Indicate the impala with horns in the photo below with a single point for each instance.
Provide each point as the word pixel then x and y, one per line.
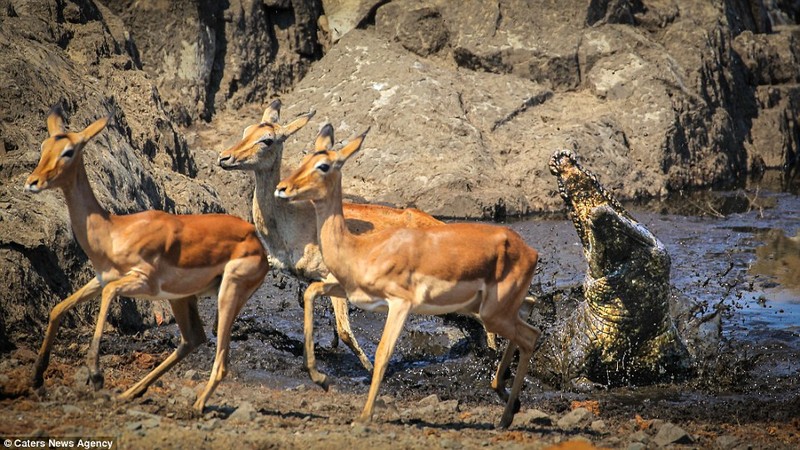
pixel 476 269
pixel 289 229
pixel 150 255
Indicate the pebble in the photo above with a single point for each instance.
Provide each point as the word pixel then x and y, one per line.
pixel 576 418
pixel 431 400
pixel 81 378
pixel 244 413
pixel 637 446
pixel 639 436
pixel 71 409
pixel 534 416
pixel 598 426
pixel 727 441
pixel 209 425
pixel 671 434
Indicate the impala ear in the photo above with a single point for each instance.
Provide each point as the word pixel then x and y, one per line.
pixel 324 138
pixel 94 128
pixel 352 147
pixel 293 126
pixel 273 112
pixel 55 121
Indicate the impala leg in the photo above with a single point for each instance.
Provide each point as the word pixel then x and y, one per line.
pixel 499 381
pixel 313 291
pixel 87 292
pixel 342 314
pixel 131 285
pixel 398 313
pixel 233 294
pixel 527 336
pixel 192 336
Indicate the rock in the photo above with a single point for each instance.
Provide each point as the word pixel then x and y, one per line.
pixel 671 434
pixel 71 410
pixel 599 426
pixel 344 15
pixel 533 416
pixel 431 400
pixel 191 374
pixel 639 436
pixel 726 441
pixel 209 425
pixel 637 446
pixel 576 418
pixel 246 412
pixel 80 379
pixel 188 393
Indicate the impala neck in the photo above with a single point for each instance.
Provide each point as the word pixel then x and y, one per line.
pixel 85 212
pixel 286 228
pixel 335 239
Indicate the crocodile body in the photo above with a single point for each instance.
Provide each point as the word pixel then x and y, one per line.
pixel 620 330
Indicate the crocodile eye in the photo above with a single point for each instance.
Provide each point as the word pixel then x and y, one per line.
pixel 323 167
pixel 68 153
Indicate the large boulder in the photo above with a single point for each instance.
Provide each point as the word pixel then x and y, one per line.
pixel 467 103
pixel 206 55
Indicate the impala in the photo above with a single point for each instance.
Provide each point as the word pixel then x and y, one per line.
pixel 289 229
pixel 151 255
pixel 475 269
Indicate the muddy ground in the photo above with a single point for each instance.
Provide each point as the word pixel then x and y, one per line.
pixel 436 393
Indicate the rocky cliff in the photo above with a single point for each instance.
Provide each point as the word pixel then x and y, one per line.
pixel 466 105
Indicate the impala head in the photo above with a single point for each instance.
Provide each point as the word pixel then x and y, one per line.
pixel 61 152
pixel 320 172
pixel 261 141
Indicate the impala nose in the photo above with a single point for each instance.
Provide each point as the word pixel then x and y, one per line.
pixel 280 192
pixel 32 185
pixel 224 161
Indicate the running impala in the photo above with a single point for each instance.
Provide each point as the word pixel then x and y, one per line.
pixel 476 269
pixel 289 229
pixel 150 255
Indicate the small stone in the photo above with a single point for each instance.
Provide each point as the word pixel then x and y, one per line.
pixel 244 413
pixel 80 379
pixel 4 379
pixel 71 409
pixel 637 446
pixel 448 406
pixel 191 374
pixel 431 400
pixel 133 426
pixel 639 436
pixel 209 425
pixel 449 443
pixel 534 416
pixel 576 418
pixel 671 434
pixel 598 426
pixel 727 441
pixel 188 393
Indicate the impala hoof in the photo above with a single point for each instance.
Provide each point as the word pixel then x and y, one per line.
pixel 97 381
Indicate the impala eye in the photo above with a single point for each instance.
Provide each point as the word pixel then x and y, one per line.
pixel 268 142
pixel 68 153
pixel 323 167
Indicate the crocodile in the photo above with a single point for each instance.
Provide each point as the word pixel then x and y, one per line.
pixel 621 330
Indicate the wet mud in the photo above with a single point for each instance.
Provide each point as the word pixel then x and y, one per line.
pixel 735 251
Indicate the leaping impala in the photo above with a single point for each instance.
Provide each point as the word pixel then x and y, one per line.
pixel 151 255
pixel 289 229
pixel 468 268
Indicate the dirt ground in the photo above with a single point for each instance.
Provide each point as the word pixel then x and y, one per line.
pixel 429 401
